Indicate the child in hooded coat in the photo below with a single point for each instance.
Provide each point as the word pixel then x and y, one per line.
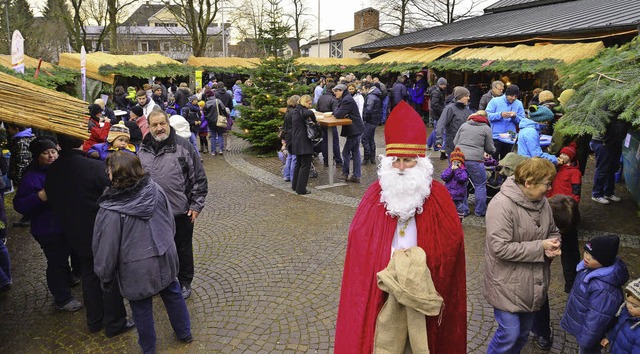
pixel 455 178
pixel 568 181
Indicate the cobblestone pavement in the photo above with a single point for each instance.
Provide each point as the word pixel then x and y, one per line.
pixel 268 270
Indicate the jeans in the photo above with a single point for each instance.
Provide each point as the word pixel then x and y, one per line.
pixel 217 139
pixel 350 151
pixel 142 313
pixel 461 207
pixel 289 166
pixel 478 176
pixel 194 141
pixel 336 146
pixel 512 333
pixel 368 141
pixel 184 246
pixel 607 164
pixel 301 173
pixel 57 251
pixel 5 265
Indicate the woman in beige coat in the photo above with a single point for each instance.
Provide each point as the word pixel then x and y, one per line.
pixel 521 240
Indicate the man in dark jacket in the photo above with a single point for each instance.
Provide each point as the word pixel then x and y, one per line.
pixel 73 185
pixel 496 91
pixel 607 148
pixel 186 187
pixel 436 100
pixel 417 93
pixel 328 103
pixel 372 117
pixel 182 95
pixel 347 108
pixel 223 95
pixel 453 116
pixel 385 98
pixel 399 91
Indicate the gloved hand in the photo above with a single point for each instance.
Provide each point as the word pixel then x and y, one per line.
pixel 107 287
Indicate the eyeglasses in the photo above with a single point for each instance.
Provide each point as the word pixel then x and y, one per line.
pixel 548 184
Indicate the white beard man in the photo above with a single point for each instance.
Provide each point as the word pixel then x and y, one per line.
pixel 404 209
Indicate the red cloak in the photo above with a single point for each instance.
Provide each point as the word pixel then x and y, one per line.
pixel 368 252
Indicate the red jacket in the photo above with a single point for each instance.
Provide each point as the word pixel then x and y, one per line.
pixel 368 252
pixel 568 181
pixel 97 134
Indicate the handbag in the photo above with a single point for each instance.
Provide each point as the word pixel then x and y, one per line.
pixel 314 131
pixel 222 120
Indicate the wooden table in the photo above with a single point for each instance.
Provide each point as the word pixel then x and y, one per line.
pixel 329 121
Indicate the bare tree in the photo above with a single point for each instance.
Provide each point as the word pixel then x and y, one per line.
pixel 114 16
pixel 196 16
pixel 248 17
pixel 441 12
pixel 396 14
pixel 301 23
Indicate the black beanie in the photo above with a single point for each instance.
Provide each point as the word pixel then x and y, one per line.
pixel 512 90
pixel 135 134
pixel 137 110
pixel 604 249
pixel 94 109
pixel 40 144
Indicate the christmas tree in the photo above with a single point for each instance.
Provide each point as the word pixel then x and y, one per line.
pixel 275 80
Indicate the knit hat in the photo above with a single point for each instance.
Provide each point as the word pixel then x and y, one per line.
pixel 193 98
pixel 570 150
pixel 565 96
pixel 341 87
pixel 137 110
pixel 545 96
pixel 40 144
pixel 457 155
pixel 155 87
pixel 540 114
pixel 117 130
pixel 634 288
pixel 604 249
pixel 512 90
pixel 94 109
pixel 135 134
pixel 201 104
pixel 405 134
pixel 441 81
pixel 459 92
pixel 180 125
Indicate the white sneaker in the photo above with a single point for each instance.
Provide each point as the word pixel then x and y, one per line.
pixel 601 200
pixel 614 198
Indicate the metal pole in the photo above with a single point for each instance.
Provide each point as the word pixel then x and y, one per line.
pixel 330 42
pixel 6 12
pixel 318 28
pixel 224 46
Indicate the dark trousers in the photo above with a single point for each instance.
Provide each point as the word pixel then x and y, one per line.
pixel 351 151
pixel 570 257
pixel 502 149
pixel 103 309
pixel 607 164
pixel 301 173
pixel 184 246
pixel 5 266
pixel 368 141
pixel 336 146
pixel 542 320
pixel 142 312
pixel 57 251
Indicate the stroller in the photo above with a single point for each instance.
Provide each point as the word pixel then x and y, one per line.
pixel 494 180
pixel 283 154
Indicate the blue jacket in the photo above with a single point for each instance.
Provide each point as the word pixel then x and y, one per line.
pixel 373 107
pixel 529 141
pixel 593 302
pixel 624 338
pixel 347 108
pixel 27 202
pixel 417 93
pixel 494 109
pixel 104 149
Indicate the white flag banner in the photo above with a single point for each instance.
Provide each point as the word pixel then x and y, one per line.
pixel 17 52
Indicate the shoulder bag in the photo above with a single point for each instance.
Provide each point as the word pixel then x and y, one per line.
pixel 314 131
pixel 222 120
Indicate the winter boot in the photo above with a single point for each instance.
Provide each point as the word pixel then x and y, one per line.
pixel 367 159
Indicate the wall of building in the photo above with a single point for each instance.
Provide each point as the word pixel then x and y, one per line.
pixel 367 18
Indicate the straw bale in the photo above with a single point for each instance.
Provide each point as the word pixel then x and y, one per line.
pixel 29 62
pixel 56 112
pixel 329 61
pixel 568 53
pixel 411 56
pixel 221 62
pixel 97 59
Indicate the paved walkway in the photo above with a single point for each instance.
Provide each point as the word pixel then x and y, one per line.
pixel 268 271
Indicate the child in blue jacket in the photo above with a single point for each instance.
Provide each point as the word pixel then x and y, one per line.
pixel 625 336
pixel 596 294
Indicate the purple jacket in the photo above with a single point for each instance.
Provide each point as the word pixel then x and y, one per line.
pixel 26 202
pixel 104 149
pixel 456 182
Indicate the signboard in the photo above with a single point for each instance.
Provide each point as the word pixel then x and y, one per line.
pixel 198 79
pixel 17 52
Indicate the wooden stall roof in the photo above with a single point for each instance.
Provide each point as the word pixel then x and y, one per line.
pixel 98 59
pixel 220 62
pixel 568 53
pixel 329 61
pixel 411 55
pixel 29 62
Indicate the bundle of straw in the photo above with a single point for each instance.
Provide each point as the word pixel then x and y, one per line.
pixel 52 111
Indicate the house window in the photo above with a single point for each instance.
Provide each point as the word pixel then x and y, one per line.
pixel 166 46
pixel 336 49
pixel 154 46
pixel 144 46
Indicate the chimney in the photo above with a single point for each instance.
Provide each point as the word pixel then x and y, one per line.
pixel 366 18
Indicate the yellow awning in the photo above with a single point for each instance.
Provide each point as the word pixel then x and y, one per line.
pixel 29 62
pixel 221 62
pixel 424 56
pixel 568 53
pixel 98 59
pixel 329 61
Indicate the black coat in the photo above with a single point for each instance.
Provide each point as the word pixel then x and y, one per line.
pixel 224 96
pixel 436 102
pixel 373 107
pixel 300 143
pixel 327 103
pixel 398 93
pixel 73 185
pixel 347 108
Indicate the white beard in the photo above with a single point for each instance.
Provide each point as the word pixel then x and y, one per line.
pixel 403 193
